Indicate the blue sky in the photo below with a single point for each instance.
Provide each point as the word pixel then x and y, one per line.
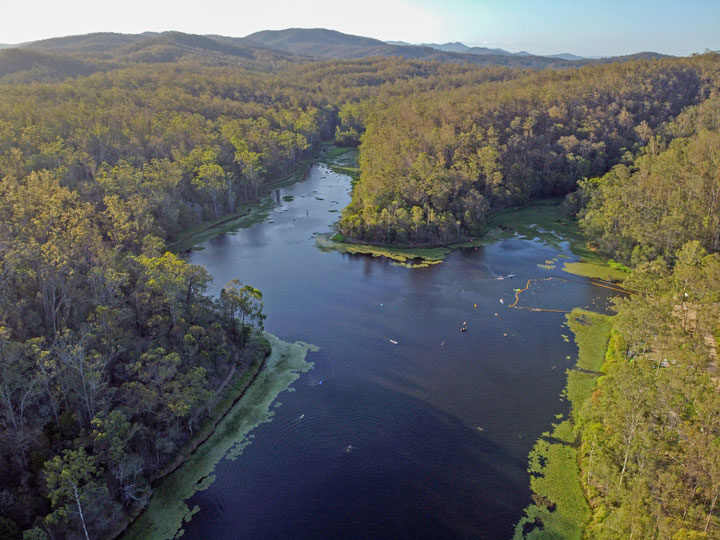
pixel 590 28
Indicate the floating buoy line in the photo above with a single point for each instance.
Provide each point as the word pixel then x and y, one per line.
pixel 598 283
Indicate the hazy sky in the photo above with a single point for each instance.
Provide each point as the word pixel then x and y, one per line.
pixel 585 27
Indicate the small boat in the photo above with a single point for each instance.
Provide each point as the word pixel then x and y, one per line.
pixel 463 329
pixel 393 342
pixel 502 301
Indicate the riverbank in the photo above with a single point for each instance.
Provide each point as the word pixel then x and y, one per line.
pixel 548 221
pixel 561 509
pixel 167 510
pixel 339 159
pixel 227 397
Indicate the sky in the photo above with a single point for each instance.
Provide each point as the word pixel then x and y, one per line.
pixel 583 27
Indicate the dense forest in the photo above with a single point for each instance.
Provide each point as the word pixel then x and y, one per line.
pixel 434 164
pixel 112 354
pixel 648 436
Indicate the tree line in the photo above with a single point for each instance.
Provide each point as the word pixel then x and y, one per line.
pixel 650 436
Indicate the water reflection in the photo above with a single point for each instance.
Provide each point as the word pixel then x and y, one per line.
pixel 440 421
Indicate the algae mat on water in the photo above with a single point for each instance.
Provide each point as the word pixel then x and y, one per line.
pixel 167 510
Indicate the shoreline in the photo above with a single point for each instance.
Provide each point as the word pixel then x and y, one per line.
pixel 561 508
pixel 544 219
pixel 253 212
pixel 240 384
pixel 233 392
pixel 246 408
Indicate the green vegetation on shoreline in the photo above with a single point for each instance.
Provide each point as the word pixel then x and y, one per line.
pixel 411 257
pixel 549 221
pixel 167 510
pixel 561 510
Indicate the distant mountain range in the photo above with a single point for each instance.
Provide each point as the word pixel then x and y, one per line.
pixel 333 44
pixel 73 56
pixel 458 47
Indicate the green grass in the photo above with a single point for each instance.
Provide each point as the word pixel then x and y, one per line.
pixel 594 270
pixel 167 510
pixel 334 151
pixel 592 332
pixel 564 431
pixel 561 506
pixel 580 386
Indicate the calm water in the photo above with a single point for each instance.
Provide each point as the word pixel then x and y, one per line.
pixel 426 439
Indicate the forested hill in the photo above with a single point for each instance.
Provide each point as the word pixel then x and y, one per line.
pixel 79 55
pixel 58 58
pixel 332 44
pixel 435 163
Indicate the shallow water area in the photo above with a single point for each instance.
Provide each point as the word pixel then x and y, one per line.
pixel 407 427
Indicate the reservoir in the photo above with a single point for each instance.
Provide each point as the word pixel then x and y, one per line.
pixel 406 427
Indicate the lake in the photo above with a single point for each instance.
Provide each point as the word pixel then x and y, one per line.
pixel 406 427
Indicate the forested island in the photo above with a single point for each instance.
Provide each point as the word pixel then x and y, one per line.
pixel 115 361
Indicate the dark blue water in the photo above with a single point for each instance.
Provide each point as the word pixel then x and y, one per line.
pixel 424 439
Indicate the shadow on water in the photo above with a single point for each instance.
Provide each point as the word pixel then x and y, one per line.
pixel 400 469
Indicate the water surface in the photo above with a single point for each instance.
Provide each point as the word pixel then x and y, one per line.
pixel 424 439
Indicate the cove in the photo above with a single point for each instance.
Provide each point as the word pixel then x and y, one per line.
pixel 406 427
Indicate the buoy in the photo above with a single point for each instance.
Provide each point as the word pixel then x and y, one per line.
pixel 463 329
pixel 474 305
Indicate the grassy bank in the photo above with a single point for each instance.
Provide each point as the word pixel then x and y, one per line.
pixel 167 510
pixel 561 510
pixel 343 160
